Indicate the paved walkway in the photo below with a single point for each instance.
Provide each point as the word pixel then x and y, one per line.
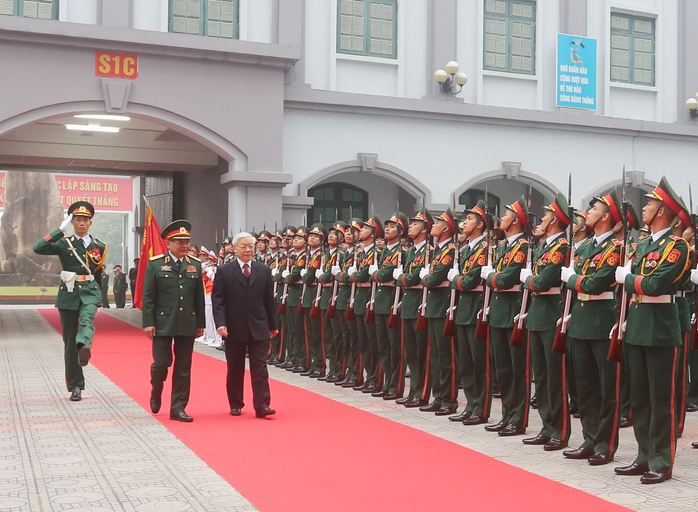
pixel 108 453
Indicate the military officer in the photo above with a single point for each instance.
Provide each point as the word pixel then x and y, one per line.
pixel 543 281
pixel 332 327
pixel 82 258
pixel 473 354
pixel 513 370
pixel 653 335
pixel 390 347
pixel 297 348
pixel 173 311
pixel 416 341
pixel 313 321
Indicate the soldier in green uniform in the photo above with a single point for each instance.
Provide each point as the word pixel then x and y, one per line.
pixel 276 261
pixel 592 277
pixel 444 374
pixel 348 261
pixel 298 346
pixel 390 347
pixel 262 254
pixel 543 281
pixel 282 297
pixel 173 311
pixel 653 335
pixel 119 286
pixel 332 327
pixel 360 275
pixel 473 354
pixel 316 347
pixel 82 258
pixel 416 342
pixel 513 369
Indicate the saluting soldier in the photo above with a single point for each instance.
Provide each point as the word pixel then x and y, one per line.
pixel 332 327
pixel 173 313
pixel 435 278
pixel 653 335
pixel 82 257
pixel 543 281
pixel 473 354
pixel 513 369
pixel 390 347
pixel 316 345
pixel 298 346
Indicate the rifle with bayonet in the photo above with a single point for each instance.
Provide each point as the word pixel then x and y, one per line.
pixel 422 319
pixel 481 328
pixel 393 320
pixel 517 335
pixel 370 317
pixel 284 295
pixel 301 309
pixel 349 315
pixel 315 309
pixel 615 349
pixel 560 341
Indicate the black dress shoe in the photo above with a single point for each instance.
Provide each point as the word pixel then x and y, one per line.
pixel 655 477
pixel 460 417
pixel 573 409
pixel 323 377
pixel 369 389
pixel 415 402
pixel 633 470
pixel 432 407
pixel 539 439
pixel 316 374
pixel 579 453
pixel 332 379
pixel 181 416
pixel 599 459
pixel 379 394
pixel 694 444
pixel 348 384
pixel 554 444
pixel 474 419
pixel 286 364
pixel 264 412
pixel 391 396
pixel 300 369
pixel 306 373
pixel 512 430
pixel 359 386
pixel 273 362
pixel 496 427
pixel 84 355
pixel 625 422
pixel 155 405
pixel 692 408
pixel 76 395
pixel 445 411
pixel 235 411
pixel 402 401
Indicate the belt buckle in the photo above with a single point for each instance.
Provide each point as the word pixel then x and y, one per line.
pixel 638 299
pixel 584 297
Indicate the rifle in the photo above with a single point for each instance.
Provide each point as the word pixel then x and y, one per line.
pixel 481 328
pixel 694 221
pixel 276 266
pixel 301 309
pixel 284 295
pixel 615 349
pixel 393 320
pixel 450 324
pixel 370 307
pixel 332 305
pixel 517 337
pixel 422 319
pixel 315 310
pixel 349 316
pixel 560 341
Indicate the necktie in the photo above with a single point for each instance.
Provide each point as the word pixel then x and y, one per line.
pixel 246 270
pixel 178 265
pixel 84 243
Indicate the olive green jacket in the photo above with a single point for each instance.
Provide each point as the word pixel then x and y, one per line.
pixel 544 310
pixel 437 280
pixel 504 306
pixel 410 282
pixel 470 301
pixel 385 294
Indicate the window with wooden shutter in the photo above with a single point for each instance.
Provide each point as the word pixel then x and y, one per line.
pixel 632 49
pixel 41 9
pixel 510 36
pixel 213 18
pixel 367 27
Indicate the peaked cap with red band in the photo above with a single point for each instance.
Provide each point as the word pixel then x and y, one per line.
pixel 290 231
pixel 664 193
pixel 449 219
pixel 264 236
pixel 375 223
pixel 400 219
pixel 319 229
pixel 177 230
pixel 560 208
pixel 613 203
pixel 424 215
pixel 479 209
pixel 520 208
pixel 340 226
pixel 632 218
pixel 302 231
pixel 81 208
pixel 356 223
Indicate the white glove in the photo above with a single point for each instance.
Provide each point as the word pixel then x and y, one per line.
pixel 397 273
pixel 566 320
pixel 285 274
pixel 485 271
pixel 566 273
pixel 523 318
pixel 210 273
pixel 351 271
pixel 694 276
pixel 274 271
pixel 303 272
pixel 372 269
pixel 423 273
pixel 693 318
pixel 525 274
pixel 335 270
pixel 452 274
pixel 622 273
pixel 615 326
pixel 66 222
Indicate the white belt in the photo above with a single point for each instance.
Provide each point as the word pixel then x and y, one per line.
pixel 363 285
pixel 508 290
pixel 647 299
pixel 476 289
pixel 584 297
pixel 552 291
pixel 680 294
pixel 387 284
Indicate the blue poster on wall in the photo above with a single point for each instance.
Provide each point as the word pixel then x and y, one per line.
pixel 576 72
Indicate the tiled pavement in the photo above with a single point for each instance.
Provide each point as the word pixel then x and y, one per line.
pixel 110 454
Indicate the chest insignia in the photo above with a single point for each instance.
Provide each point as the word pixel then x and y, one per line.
pixel 191 268
pixel 166 268
pixel 519 257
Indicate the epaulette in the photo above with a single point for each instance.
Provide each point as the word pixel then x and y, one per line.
pixel 152 258
pixel 195 258
pixel 618 243
pixel 98 240
pixel 676 238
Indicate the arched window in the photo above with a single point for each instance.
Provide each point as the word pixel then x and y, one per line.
pixel 337 200
pixel 470 197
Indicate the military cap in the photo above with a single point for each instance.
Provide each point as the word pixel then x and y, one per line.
pixel 645 229
pixel 631 218
pixel 318 229
pixel 254 235
pixel 177 229
pixel 264 236
pixel 81 208
pixel 520 208
pixel 340 226
pixel 302 231
pixel 356 223
pixel 612 202
pixel 375 223
pixel 400 219
pixel 479 209
pixel 664 193
pixel 290 231
pixel 560 208
pixel 227 241
pixel 278 233
pixel 424 215
pixel 449 219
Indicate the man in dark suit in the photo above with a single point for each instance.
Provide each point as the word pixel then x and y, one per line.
pixel 245 314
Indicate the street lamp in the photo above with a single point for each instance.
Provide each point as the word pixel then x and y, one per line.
pixel 692 106
pixel 451 82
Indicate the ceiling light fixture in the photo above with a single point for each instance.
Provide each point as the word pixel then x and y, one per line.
pixel 103 117
pixel 92 128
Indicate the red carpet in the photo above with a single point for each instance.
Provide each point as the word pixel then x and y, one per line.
pixel 298 459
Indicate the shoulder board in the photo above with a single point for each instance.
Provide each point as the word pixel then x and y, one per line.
pixel 157 256
pixel 195 258
pixel 98 240
pixel 676 238
pixel 563 241
pixel 522 240
pixel 617 243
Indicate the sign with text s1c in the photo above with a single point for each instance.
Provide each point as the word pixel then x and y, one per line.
pixel 576 72
pixel 116 65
